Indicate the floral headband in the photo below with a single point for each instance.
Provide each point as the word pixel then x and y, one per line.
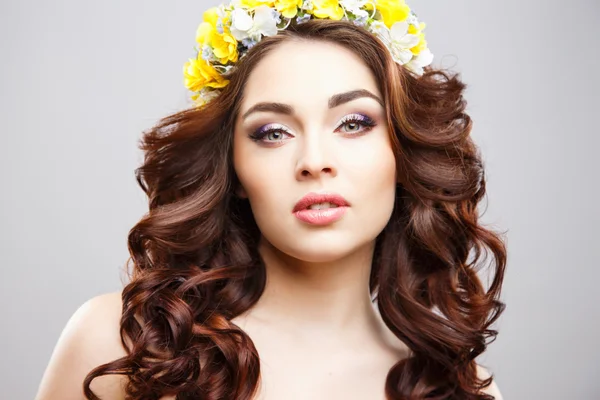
pixel 228 31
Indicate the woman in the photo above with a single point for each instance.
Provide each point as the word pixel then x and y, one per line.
pixel 310 225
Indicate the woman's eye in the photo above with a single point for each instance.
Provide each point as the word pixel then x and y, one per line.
pixel 268 135
pixel 274 135
pixel 352 126
pixel 354 122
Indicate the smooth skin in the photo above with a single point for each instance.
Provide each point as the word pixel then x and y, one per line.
pixel 316 331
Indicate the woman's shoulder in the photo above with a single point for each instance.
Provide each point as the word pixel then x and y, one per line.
pixel 90 338
pixel 492 389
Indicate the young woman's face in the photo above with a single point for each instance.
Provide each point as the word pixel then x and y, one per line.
pixel 316 141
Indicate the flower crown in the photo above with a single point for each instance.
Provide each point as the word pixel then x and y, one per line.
pixel 228 31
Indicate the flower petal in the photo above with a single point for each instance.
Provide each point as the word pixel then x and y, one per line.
pixel 401 56
pixel 264 21
pixel 414 68
pixel 408 41
pixel 424 58
pixel 211 15
pixel 241 20
pixel 399 29
pixel 204 33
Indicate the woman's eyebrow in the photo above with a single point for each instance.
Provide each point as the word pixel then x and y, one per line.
pixel 345 97
pixel 334 101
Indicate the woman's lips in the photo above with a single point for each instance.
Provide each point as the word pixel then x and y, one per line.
pixel 321 217
pixel 316 198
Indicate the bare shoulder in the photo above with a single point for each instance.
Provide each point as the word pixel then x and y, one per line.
pixel 492 389
pixel 90 338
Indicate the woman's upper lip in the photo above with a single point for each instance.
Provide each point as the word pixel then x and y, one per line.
pixel 315 198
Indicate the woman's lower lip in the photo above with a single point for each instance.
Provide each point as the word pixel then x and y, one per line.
pixel 321 217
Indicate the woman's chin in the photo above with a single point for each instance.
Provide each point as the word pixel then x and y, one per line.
pixel 320 250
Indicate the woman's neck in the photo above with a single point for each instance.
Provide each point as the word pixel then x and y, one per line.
pixel 320 297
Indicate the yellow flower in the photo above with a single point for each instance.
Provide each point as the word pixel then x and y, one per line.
pixel 204 33
pixel 199 73
pixel 327 9
pixel 225 47
pixel 208 27
pixel 288 8
pixel 391 11
pixel 422 45
pixel 252 4
pixel 415 30
pixel 211 16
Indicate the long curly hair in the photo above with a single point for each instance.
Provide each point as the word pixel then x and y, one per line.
pixel 195 265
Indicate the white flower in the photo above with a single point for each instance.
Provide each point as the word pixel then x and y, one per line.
pixel 244 26
pixel 412 20
pixel 360 21
pixel 379 28
pixel 307 5
pixel 397 39
pixel 249 42
pixel 241 22
pixel 361 14
pixel 207 53
pixel 402 41
pixel 276 16
pixel 219 25
pixel 221 11
pixel 302 19
pixel 353 5
pixel 424 58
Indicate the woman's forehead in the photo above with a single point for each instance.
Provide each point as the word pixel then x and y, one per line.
pixel 300 71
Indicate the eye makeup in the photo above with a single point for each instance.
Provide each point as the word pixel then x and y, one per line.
pixel 358 119
pixel 268 129
pixel 350 120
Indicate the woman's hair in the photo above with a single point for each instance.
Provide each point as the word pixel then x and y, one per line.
pixel 196 264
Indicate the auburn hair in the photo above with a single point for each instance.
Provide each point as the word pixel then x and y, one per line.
pixel 194 260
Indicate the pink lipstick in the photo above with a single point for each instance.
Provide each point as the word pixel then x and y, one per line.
pixel 332 212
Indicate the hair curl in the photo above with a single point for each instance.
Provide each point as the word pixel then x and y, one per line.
pixel 196 265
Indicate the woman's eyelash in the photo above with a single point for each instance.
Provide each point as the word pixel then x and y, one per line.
pixel 265 130
pixel 362 119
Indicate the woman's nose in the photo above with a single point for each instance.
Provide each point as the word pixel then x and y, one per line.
pixel 315 157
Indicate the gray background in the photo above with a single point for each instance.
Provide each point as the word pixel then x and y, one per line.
pixel 80 80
